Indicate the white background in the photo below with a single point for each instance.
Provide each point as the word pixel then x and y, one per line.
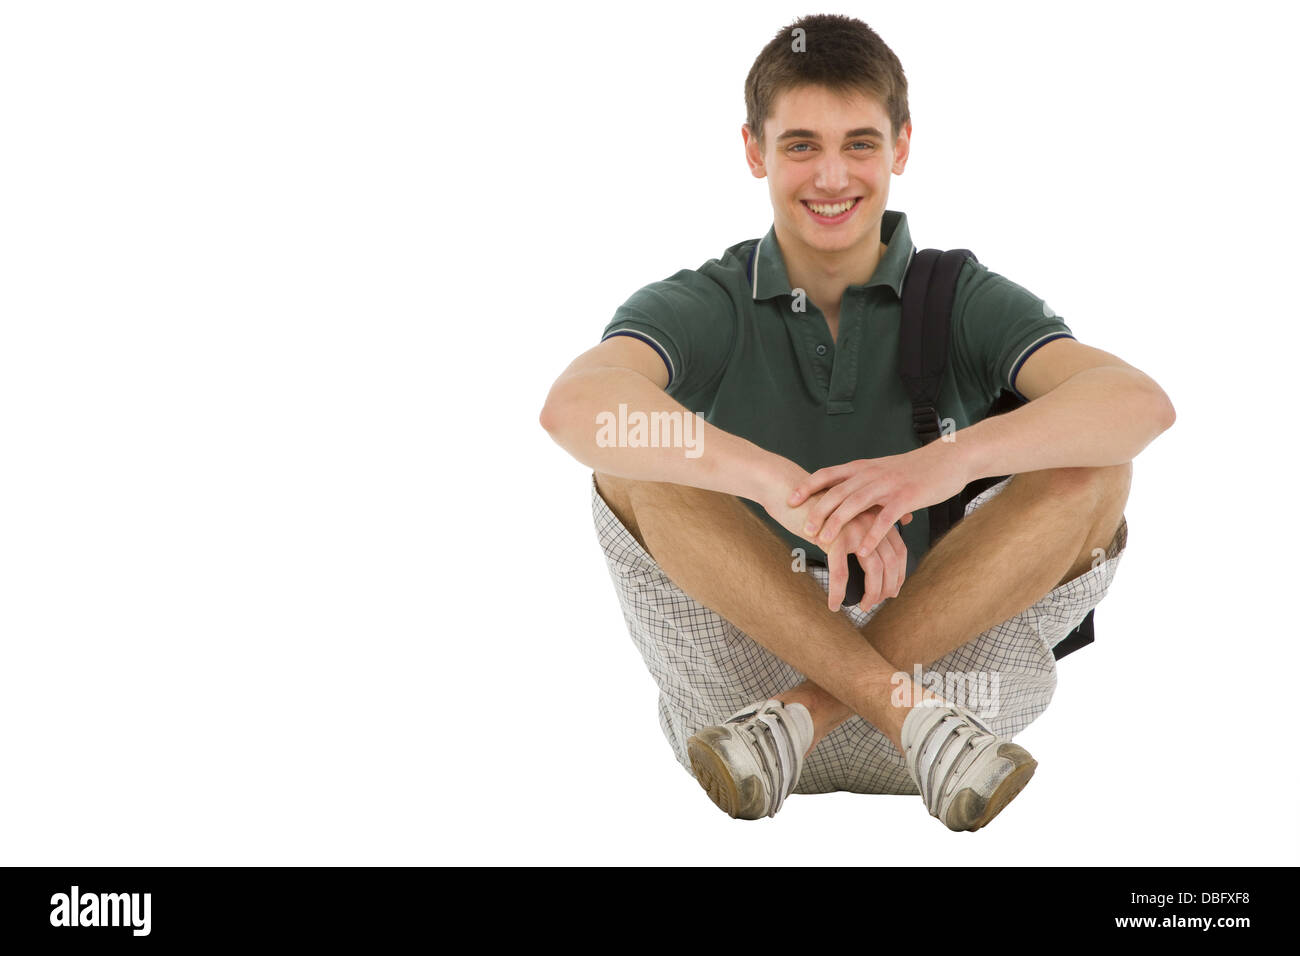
pixel 289 573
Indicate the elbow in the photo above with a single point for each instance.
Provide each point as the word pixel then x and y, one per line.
pixel 552 415
pixel 1173 415
pixel 547 417
pixel 1166 415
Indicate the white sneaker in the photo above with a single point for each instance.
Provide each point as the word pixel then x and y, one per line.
pixel 965 772
pixel 751 761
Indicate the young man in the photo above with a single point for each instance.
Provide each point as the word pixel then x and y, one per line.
pixel 788 348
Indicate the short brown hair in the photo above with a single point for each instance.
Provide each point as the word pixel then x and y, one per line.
pixel 839 53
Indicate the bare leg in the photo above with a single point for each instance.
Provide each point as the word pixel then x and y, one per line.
pixel 1038 533
pixel 686 529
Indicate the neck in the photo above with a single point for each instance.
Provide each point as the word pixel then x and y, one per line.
pixel 825 275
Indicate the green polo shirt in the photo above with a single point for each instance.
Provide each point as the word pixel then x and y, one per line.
pixel 738 351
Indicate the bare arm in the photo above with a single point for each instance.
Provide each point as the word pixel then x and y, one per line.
pixel 1087 408
pixel 626 371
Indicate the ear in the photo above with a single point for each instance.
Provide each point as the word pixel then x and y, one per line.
pixel 902 149
pixel 753 153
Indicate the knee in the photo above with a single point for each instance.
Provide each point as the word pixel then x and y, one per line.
pixel 1110 483
pixel 612 485
pixel 641 490
pixel 637 497
pixel 630 490
pixel 617 493
pixel 1094 485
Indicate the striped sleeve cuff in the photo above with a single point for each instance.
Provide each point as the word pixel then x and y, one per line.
pixel 653 343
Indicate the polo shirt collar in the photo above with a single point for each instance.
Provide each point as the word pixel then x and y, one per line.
pixel 770 279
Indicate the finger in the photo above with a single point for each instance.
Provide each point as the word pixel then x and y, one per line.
pixel 819 479
pixel 838 562
pixel 874 570
pixel 852 506
pixel 893 553
pixel 849 538
pixel 882 525
pixel 887 549
pixel 899 549
pixel 889 556
pixel 906 519
pixel 861 526
pixel 824 505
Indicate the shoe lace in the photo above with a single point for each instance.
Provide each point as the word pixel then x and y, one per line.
pixel 952 744
pixel 775 751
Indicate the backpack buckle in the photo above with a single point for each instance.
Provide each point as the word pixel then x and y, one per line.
pixel 925 422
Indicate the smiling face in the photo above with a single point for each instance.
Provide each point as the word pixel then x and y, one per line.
pixel 827 158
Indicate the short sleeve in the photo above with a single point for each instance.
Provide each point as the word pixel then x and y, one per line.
pixel 689 320
pixel 996 326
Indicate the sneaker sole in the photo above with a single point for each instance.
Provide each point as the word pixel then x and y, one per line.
pixel 968 805
pixel 740 801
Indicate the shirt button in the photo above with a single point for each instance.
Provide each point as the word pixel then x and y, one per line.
pixel 821 350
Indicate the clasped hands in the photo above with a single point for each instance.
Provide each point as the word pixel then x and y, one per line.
pixel 851 509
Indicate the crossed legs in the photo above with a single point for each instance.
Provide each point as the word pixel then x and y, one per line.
pixel 1040 531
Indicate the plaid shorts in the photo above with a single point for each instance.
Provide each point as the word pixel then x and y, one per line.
pixel 707 668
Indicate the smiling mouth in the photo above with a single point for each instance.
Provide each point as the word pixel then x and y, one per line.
pixel 832 210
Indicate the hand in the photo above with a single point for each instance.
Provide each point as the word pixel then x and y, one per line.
pixel 896 485
pixel 884 566
pixel 883 569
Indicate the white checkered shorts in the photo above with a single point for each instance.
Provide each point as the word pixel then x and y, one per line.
pixel 707 668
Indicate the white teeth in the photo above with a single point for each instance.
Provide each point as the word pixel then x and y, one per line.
pixel 832 210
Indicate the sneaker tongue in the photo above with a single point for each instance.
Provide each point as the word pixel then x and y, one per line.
pixel 801 725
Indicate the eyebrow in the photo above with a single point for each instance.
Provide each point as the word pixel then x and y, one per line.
pixel 869 131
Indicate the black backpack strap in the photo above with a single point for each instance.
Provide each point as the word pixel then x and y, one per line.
pixel 928 293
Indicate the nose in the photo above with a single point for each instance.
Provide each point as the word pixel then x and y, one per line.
pixel 832 173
